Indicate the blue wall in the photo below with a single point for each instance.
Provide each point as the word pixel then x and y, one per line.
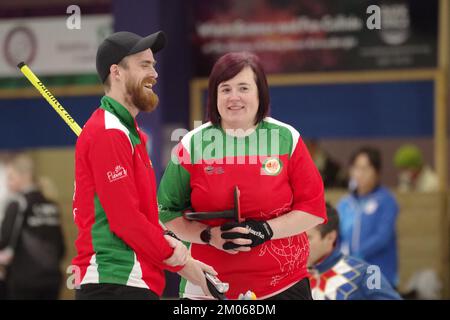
pixel 369 110
pixel 357 110
pixel 319 111
pixel 32 123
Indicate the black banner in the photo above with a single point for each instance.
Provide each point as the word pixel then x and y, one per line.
pixel 292 36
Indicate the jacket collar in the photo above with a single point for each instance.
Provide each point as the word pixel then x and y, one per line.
pixel 368 195
pixel 124 116
pixel 328 262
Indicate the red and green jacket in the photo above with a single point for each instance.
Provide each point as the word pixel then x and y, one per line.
pixel 119 238
pixel 275 175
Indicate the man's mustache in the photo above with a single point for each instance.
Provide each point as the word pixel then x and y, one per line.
pixel 149 80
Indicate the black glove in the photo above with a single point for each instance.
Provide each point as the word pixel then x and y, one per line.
pixel 259 232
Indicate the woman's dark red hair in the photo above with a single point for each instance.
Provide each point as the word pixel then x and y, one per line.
pixel 227 67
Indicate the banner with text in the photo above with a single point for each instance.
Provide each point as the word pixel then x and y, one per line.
pixel 292 36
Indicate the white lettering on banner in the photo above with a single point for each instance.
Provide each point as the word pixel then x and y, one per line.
pixel 396 24
pixel 303 24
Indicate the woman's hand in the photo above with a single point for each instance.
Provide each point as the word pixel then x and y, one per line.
pixel 250 233
pixel 220 243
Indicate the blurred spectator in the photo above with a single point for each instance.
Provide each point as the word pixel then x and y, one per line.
pixel 3 193
pixel 335 276
pixel 369 214
pixel 31 240
pixel 414 174
pixel 329 169
pixel 3 188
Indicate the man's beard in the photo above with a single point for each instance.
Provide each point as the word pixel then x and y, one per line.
pixel 144 99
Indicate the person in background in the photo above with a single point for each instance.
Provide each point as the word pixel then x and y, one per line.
pixel 3 195
pixel 3 188
pixel 368 215
pixel 414 174
pixel 31 239
pixel 335 276
pixel 330 170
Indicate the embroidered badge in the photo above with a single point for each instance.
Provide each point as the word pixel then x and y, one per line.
pixel 271 167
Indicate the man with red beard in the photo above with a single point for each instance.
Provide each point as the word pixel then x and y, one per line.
pixel 122 251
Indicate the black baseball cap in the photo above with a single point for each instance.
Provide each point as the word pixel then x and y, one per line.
pixel 121 44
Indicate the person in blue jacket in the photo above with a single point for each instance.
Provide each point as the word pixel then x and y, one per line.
pixel 335 276
pixel 368 215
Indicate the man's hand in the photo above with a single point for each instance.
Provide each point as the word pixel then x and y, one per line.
pixel 220 243
pixel 194 271
pixel 180 252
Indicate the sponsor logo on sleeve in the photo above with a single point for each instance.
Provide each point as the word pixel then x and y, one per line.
pixel 118 173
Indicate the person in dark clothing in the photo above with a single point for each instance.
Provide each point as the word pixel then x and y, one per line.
pixel 3 196
pixel 3 259
pixel 332 174
pixel 31 237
